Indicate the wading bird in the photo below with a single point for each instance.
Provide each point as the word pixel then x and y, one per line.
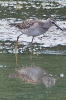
pixel 34 28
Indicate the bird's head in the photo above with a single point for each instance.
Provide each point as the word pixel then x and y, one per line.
pixel 52 22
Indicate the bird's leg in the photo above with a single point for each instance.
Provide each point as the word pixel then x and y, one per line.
pixel 31 46
pixel 16 50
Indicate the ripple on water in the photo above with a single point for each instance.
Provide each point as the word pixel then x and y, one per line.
pixel 2 66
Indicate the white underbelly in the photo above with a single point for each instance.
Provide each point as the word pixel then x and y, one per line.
pixel 33 31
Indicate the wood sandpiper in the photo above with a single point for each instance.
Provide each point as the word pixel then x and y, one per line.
pixel 34 28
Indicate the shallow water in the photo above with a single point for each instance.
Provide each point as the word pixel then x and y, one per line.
pixel 17 11
pixel 52 38
pixel 53 43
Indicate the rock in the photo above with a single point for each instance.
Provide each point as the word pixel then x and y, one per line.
pixel 48 81
pixel 33 75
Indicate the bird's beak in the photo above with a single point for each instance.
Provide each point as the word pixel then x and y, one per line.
pixel 57 26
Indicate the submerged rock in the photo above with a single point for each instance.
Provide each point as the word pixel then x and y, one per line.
pixel 33 75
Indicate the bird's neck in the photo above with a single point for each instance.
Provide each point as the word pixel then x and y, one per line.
pixel 46 25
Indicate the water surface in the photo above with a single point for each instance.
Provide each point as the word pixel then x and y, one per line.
pixel 48 52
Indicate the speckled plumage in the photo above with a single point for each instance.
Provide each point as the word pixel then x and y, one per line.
pixel 26 24
pixel 34 27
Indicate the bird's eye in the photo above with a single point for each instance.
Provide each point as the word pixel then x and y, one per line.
pixel 52 22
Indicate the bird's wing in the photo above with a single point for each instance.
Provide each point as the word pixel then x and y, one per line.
pixel 26 24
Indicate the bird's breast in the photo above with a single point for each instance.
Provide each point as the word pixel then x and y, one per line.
pixel 34 30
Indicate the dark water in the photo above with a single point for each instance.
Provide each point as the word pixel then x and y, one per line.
pixel 11 11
